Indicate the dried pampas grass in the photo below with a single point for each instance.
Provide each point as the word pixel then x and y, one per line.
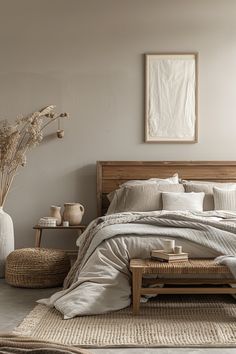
pixel 15 141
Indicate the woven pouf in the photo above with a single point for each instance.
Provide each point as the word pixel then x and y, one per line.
pixel 36 268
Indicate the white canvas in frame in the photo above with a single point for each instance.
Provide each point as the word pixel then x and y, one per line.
pixel 171 98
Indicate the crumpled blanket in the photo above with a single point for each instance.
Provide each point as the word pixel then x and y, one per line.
pixel 229 261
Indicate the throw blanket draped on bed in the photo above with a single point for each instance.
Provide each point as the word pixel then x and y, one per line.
pixel 99 281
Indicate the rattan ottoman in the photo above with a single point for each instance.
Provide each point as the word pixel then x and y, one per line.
pixel 194 285
pixel 36 267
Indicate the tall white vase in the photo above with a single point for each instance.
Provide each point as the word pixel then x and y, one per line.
pixel 6 239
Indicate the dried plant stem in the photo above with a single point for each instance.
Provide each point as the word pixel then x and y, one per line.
pixel 15 141
pixel 8 186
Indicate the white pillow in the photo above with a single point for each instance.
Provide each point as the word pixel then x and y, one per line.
pixel 224 199
pixel 183 201
pixel 170 180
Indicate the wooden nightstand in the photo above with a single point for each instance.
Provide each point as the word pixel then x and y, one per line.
pixel 39 231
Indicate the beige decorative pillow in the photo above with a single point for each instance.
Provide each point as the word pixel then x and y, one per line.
pixel 146 197
pixel 208 202
pixel 114 196
pixel 183 201
pixel 207 188
pixel 225 199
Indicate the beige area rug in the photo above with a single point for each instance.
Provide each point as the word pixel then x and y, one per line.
pixel 168 321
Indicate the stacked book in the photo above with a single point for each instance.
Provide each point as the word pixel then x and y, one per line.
pixel 162 256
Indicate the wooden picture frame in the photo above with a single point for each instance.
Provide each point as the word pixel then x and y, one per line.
pixel 171 99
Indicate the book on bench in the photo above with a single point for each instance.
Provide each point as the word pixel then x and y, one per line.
pixel 160 255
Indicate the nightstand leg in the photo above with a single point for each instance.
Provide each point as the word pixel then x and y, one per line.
pixel 136 288
pixel 38 236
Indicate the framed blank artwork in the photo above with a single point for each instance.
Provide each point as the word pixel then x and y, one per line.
pixel 171 98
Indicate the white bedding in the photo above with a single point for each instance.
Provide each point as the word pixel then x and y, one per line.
pixel 101 277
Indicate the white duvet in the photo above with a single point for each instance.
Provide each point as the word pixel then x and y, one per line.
pixel 100 280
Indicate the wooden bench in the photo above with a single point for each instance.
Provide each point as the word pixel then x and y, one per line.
pixel 140 267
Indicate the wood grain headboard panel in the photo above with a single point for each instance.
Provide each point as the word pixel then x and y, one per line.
pixel 110 174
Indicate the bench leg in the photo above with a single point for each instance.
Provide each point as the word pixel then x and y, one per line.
pixel 136 288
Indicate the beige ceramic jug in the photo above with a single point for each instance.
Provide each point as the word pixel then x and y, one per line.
pixel 55 212
pixel 73 213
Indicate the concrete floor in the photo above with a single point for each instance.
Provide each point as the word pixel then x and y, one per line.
pixel 16 303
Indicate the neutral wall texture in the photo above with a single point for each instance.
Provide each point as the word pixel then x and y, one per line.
pixel 86 56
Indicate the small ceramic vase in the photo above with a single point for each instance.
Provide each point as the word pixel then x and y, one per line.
pixel 73 213
pixel 55 212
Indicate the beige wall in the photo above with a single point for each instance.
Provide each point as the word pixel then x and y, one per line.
pixel 86 56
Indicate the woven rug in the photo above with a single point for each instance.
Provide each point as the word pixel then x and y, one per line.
pixel 167 321
pixel 10 344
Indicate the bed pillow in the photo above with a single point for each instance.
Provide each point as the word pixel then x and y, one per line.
pixel 170 180
pixel 207 188
pixel 134 182
pixel 183 201
pixel 114 198
pixel 117 193
pixel 146 197
pixel 211 184
pixel 208 202
pixel 224 199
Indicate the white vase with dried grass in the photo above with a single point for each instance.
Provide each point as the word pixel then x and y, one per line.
pixel 6 239
pixel 16 139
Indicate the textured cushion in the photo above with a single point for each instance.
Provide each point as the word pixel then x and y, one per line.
pixel 208 202
pixel 170 180
pixel 207 188
pixel 183 201
pixel 224 199
pixel 114 196
pixel 146 197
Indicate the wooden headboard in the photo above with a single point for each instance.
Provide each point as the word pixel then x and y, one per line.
pixel 110 174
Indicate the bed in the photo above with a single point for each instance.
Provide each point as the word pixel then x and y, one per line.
pixel 100 280
pixel 110 174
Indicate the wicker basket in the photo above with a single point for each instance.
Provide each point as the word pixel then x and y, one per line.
pixel 37 268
